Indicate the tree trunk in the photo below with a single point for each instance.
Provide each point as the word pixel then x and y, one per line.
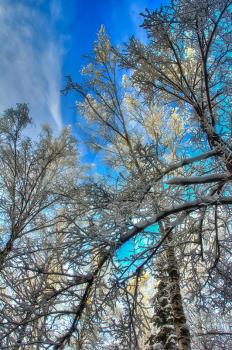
pixel 163 337
pixel 171 330
pixel 179 319
pixel 215 141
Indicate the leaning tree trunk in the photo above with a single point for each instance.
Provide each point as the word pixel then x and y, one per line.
pixel 179 319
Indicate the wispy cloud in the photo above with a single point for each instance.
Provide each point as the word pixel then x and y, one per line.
pixel 30 59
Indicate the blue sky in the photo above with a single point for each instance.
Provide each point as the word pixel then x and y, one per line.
pixel 42 41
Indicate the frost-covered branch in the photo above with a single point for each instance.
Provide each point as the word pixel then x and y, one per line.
pixel 192 180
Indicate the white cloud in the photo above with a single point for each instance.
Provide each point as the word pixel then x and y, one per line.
pixel 30 60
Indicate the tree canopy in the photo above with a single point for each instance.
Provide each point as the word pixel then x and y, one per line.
pixel 141 260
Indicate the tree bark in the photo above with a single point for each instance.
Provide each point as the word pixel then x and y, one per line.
pixel 179 319
pixel 163 337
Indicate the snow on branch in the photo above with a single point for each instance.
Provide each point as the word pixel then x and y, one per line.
pixel 196 204
pixel 183 181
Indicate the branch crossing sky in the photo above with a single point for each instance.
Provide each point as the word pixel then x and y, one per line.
pixel 42 41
